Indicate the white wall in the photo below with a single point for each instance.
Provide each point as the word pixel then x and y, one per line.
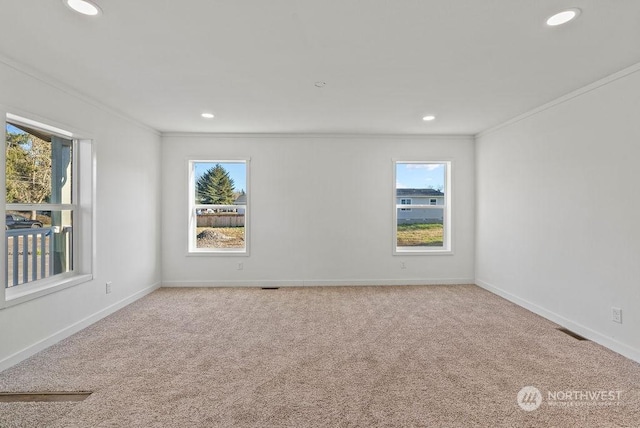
pixel 321 211
pixel 127 214
pixel 558 211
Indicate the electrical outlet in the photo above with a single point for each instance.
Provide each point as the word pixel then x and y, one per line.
pixel 108 287
pixel 616 315
pixel 402 265
pixel 240 266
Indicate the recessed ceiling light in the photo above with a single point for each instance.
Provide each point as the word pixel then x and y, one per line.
pixel 428 118
pixel 207 115
pixel 563 17
pixel 85 7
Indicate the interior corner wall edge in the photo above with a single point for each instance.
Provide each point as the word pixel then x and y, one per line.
pixel 557 206
pixel 127 214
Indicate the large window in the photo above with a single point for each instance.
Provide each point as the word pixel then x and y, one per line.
pixel 219 206
pixel 46 225
pixel 426 226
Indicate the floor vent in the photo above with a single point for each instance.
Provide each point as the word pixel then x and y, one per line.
pixel 572 334
pixel 17 397
pixel 270 288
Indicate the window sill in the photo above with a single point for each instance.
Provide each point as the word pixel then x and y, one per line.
pixel 206 253
pixel 408 251
pixel 24 293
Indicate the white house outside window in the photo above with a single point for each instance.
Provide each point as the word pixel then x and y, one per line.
pixel 425 228
pixel 219 206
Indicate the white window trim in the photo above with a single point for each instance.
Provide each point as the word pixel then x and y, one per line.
pixel 447 248
pixel 84 189
pixel 192 251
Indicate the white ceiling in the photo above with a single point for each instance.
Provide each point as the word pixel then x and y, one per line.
pixel 253 63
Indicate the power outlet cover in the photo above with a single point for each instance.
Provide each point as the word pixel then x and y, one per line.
pixel 616 315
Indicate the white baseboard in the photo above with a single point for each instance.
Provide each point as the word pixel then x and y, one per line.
pixel 387 282
pixel 27 352
pixel 219 284
pixel 318 283
pixel 606 341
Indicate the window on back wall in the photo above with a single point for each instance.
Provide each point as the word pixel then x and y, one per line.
pixel 426 226
pixel 219 206
pixel 47 218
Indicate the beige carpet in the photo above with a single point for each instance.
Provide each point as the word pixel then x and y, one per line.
pixel 450 356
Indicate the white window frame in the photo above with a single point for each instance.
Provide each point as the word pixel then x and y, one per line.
pixel 83 190
pixel 446 248
pixel 192 250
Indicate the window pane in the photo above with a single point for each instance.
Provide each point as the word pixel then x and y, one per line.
pixel 39 244
pixel 38 166
pixel 220 183
pixel 420 227
pixel 220 228
pixel 420 182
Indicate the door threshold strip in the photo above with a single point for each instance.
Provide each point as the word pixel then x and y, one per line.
pixel 572 334
pixel 47 396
